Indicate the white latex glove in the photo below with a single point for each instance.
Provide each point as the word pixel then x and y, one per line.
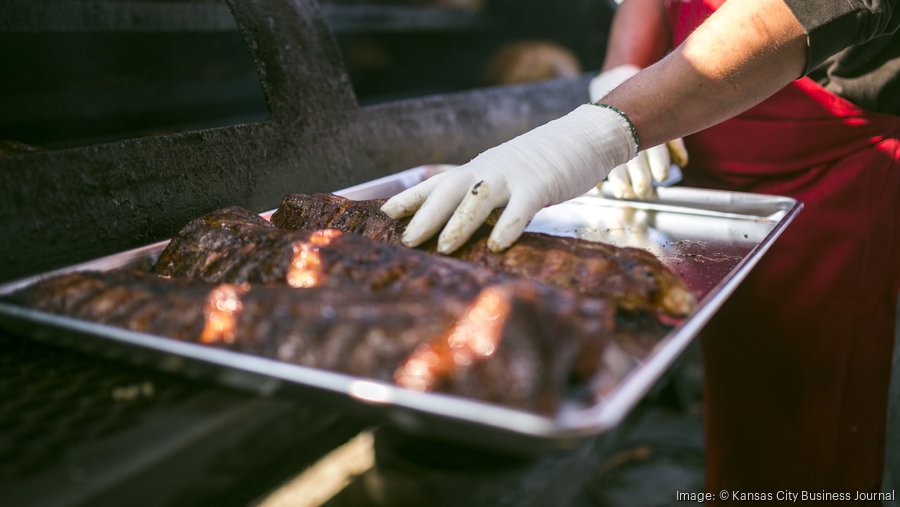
pixel 550 164
pixel 635 178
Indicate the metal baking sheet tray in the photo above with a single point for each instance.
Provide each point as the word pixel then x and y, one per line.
pixel 711 238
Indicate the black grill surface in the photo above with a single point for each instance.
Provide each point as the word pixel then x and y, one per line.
pixel 54 400
pixel 75 430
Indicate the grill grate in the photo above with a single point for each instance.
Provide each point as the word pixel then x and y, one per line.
pixel 54 400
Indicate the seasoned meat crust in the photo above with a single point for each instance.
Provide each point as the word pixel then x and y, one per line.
pixel 330 288
pixel 634 278
pixel 506 344
pixel 234 245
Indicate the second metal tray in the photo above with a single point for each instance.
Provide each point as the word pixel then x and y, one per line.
pixel 711 238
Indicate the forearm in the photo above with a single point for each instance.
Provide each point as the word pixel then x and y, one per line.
pixel 640 34
pixel 745 52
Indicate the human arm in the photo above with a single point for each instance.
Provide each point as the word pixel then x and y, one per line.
pixel 745 52
pixel 640 35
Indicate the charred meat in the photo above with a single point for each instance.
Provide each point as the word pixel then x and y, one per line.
pixel 633 277
pixel 234 245
pixel 507 344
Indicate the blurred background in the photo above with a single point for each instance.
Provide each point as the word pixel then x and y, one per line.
pixel 79 72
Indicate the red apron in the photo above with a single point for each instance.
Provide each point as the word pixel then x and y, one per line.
pixel 797 361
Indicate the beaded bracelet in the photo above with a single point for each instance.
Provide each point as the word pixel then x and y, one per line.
pixel 634 134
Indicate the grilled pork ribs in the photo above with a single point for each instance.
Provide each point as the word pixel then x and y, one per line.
pixel 326 284
pixel 634 278
pixel 506 344
pixel 234 245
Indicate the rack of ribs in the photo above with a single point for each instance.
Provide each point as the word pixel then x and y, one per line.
pixel 634 278
pixel 510 343
pixel 234 245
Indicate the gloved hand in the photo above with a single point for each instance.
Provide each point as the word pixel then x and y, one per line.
pixel 635 178
pixel 550 164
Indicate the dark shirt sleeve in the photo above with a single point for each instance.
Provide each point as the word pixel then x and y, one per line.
pixel 834 25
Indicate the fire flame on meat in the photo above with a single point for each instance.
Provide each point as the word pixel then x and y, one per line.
pixel 306 266
pixel 474 337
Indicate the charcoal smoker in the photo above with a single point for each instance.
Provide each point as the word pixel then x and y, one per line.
pixel 88 428
pixel 83 430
